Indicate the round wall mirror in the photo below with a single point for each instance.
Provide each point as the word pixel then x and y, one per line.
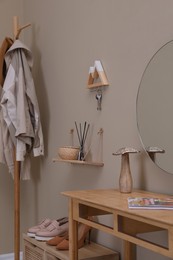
pixel 154 108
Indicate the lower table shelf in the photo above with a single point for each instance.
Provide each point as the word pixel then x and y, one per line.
pixel 36 250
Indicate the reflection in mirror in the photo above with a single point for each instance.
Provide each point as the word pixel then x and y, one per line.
pixel 152 151
pixel 155 108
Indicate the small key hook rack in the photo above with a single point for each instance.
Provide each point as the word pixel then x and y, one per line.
pixel 97 80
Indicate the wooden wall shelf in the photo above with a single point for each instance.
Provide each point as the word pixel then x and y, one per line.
pixel 98 164
pixel 97 76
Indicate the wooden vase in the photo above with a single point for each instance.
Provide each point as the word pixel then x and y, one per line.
pixel 125 180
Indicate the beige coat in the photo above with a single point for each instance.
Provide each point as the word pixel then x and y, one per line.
pixel 20 106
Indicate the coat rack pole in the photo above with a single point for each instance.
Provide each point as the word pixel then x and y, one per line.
pixel 16 209
pixel 16 31
pixel 15 26
pixel 16 179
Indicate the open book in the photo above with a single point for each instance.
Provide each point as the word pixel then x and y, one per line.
pixel 150 203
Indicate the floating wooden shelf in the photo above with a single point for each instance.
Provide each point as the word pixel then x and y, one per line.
pixel 98 164
pixel 97 76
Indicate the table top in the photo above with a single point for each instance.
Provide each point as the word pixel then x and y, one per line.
pixel 114 200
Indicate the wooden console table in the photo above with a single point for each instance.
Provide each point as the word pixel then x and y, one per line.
pixel 127 223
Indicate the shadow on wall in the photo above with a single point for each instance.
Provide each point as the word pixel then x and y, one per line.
pixel 40 88
pixel 30 190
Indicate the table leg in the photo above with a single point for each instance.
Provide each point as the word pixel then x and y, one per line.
pixel 73 234
pixel 129 251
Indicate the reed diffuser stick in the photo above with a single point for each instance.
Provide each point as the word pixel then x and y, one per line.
pixel 77 132
pixel 82 135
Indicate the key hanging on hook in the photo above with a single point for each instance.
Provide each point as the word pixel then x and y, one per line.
pixel 99 99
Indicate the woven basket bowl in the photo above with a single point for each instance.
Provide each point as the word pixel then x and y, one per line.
pixel 68 152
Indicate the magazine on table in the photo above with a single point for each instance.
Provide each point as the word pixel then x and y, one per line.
pixel 150 203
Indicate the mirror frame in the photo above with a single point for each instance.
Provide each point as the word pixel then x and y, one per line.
pixel 153 150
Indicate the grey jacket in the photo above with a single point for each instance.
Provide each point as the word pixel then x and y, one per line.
pixel 20 109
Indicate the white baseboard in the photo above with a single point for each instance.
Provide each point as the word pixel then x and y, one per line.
pixel 10 256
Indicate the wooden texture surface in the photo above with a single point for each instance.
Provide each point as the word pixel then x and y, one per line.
pixel 127 223
pixel 92 251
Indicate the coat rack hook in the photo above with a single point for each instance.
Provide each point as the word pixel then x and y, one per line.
pixel 16 28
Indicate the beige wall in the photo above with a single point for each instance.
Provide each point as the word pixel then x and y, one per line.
pixel 66 37
pixel 8 9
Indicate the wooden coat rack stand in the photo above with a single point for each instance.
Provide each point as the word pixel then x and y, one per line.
pixel 16 32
